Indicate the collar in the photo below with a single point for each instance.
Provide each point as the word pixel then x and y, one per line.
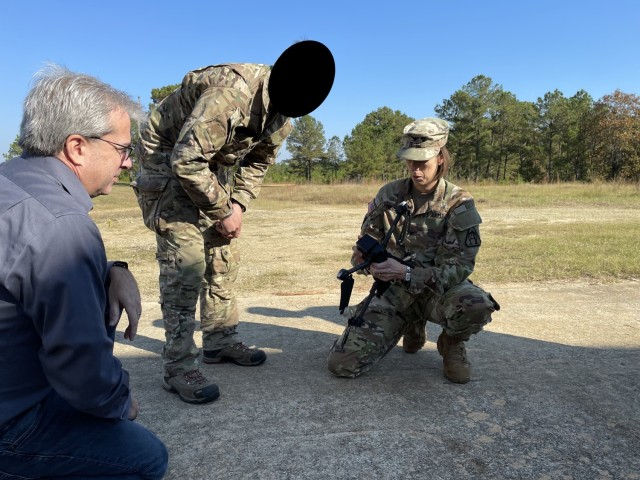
pixel 54 168
pixel 438 193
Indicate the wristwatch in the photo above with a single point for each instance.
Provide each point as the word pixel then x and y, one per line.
pixel 407 275
pixel 121 264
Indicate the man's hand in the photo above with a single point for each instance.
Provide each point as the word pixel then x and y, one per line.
pixel 388 270
pixel 124 294
pixel 133 409
pixel 230 227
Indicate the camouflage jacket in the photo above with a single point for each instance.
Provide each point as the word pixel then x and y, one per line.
pixel 215 136
pixel 442 238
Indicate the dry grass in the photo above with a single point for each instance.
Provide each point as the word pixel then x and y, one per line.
pixel 296 237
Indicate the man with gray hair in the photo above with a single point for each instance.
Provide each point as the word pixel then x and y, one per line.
pixel 66 409
pixel 431 230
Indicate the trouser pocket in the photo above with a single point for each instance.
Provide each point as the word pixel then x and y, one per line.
pixel 18 429
pixel 149 190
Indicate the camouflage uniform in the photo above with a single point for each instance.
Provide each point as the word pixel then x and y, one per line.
pixel 208 144
pixel 442 242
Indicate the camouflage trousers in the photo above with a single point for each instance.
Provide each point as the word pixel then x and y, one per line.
pixel 462 311
pixel 196 263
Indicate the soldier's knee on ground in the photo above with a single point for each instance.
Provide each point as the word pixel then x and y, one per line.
pixel 343 363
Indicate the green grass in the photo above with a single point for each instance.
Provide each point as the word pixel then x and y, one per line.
pixel 299 196
pixel 618 195
pixel 587 251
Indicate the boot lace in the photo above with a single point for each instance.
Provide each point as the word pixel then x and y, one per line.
pixel 459 352
pixel 194 377
pixel 242 347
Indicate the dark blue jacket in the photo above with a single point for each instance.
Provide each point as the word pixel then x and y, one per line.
pixel 52 295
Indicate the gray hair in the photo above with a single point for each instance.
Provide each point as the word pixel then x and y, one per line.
pixel 63 103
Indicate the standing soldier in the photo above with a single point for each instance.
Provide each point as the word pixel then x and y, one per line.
pixel 203 156
pixel 437 245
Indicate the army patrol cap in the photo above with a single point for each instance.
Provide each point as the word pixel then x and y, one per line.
pixel 301 78
pixel 423 139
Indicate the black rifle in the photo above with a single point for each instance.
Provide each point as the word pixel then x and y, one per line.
pixel 372 252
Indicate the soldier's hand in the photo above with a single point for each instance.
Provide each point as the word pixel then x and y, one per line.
pixel 231 226
pixel 388 270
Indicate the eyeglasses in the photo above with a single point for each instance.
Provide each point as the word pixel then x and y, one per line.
pixel 124 150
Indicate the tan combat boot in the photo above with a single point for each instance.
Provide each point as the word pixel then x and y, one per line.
pixel 454 356
pixel 192 387
pixel 238 353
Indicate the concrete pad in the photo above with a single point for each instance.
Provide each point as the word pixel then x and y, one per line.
pixel 554 394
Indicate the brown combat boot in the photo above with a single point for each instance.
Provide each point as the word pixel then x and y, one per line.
pixel 192 387
pixel 238 353
pixel 454 356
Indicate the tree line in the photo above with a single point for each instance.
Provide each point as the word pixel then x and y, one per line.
pixel 494 136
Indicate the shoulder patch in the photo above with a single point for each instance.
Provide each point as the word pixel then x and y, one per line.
pixel 473 238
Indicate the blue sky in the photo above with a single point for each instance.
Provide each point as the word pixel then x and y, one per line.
pixel 408 56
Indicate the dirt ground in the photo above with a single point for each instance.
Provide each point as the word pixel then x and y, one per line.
pixel 292 251
pixel 555 379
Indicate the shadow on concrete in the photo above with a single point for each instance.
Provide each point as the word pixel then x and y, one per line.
pixel 534 409
pixel 327 313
